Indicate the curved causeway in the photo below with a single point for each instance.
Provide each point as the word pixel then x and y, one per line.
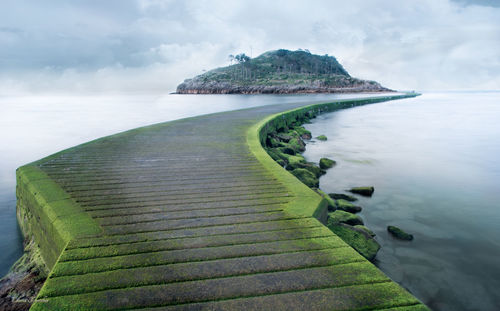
pixel 192 215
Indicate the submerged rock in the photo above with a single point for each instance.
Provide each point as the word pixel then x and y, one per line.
pixel 322 137
pixel 341 196
pixel 326 163
pixel 365 191
pixel 347 206
pixel 399 234
pixel 357 238
pixel 344 217
pixel 305 176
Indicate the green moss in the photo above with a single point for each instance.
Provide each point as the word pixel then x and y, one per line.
pixel 365 229
pixel 347 206
pixel 305 176
pixel 322 137
pixel 304 134
pixel 326 163
pixel 308 166
pixel 297 144
pixel 365 191
pixel 363 243
pixel 339 216
pixel 338 196
pixel 332 205
pixel 399 234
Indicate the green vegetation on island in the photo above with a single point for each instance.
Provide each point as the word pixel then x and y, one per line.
pixel 278 72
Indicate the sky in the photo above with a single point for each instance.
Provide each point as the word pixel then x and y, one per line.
pixel 149 46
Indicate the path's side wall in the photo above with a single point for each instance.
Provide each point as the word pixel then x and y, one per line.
pixel 48 215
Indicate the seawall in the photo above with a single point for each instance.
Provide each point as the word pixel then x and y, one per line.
pixel 90 199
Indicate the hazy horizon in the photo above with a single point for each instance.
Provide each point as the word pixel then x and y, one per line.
pixel 150 46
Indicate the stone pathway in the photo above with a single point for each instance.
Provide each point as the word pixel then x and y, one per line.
pixel 191 220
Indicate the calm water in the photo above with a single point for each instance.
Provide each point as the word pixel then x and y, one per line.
pixel 434 163
pixel 34 127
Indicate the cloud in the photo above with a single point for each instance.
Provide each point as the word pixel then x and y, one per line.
pixel 152 45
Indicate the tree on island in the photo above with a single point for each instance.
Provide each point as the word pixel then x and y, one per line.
pixel 242 58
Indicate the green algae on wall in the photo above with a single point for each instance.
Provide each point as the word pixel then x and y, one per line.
pixel 48 215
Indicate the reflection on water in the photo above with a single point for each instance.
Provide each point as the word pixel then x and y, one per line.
pixel 37 126
pixel 433 161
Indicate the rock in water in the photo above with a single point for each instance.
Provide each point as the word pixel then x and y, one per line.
pixel 365 229
pixel 345 218
pixel 365 191
pixel 347 206
pixel 341 196
pixel 305 176
pixel 322 137
pixel 326 163
pixel 357 238
pixel 399 234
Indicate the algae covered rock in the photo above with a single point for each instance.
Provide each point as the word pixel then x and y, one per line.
pixel 365 229
pixel 281 162
pixel 399 234
pixel 276 155
pixel 303 133
pixel 344 217
pixel 308 166
pixel 287 150
pixel 326 163
pixel 341 196
pixel 305 176
pixel 347 206
pixel 358 239
pixel 284 137
pixel 322 137
pixel 297 144
pixel 332 205
pixel 365 191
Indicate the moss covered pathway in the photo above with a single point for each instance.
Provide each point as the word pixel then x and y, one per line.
pixel 190 215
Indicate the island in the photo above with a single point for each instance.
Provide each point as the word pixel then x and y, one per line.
pixel 279 72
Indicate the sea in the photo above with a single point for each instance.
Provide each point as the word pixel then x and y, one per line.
pixel 433 161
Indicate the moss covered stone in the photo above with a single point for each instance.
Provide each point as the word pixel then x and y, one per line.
pixel 297 144
pixel 308 166
pixel 399 234
pixel 326 163
pixel 342 196
pixel 332 205
pixel 281 162
pixel 347 206
pixel 304 134
pixel 322 137
pixel 344 217
pixel 358 239
pixel 365 229
pixel 364 191
pixel 288 150
pixel 305 176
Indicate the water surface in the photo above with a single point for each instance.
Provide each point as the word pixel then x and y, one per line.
pixel 434 163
